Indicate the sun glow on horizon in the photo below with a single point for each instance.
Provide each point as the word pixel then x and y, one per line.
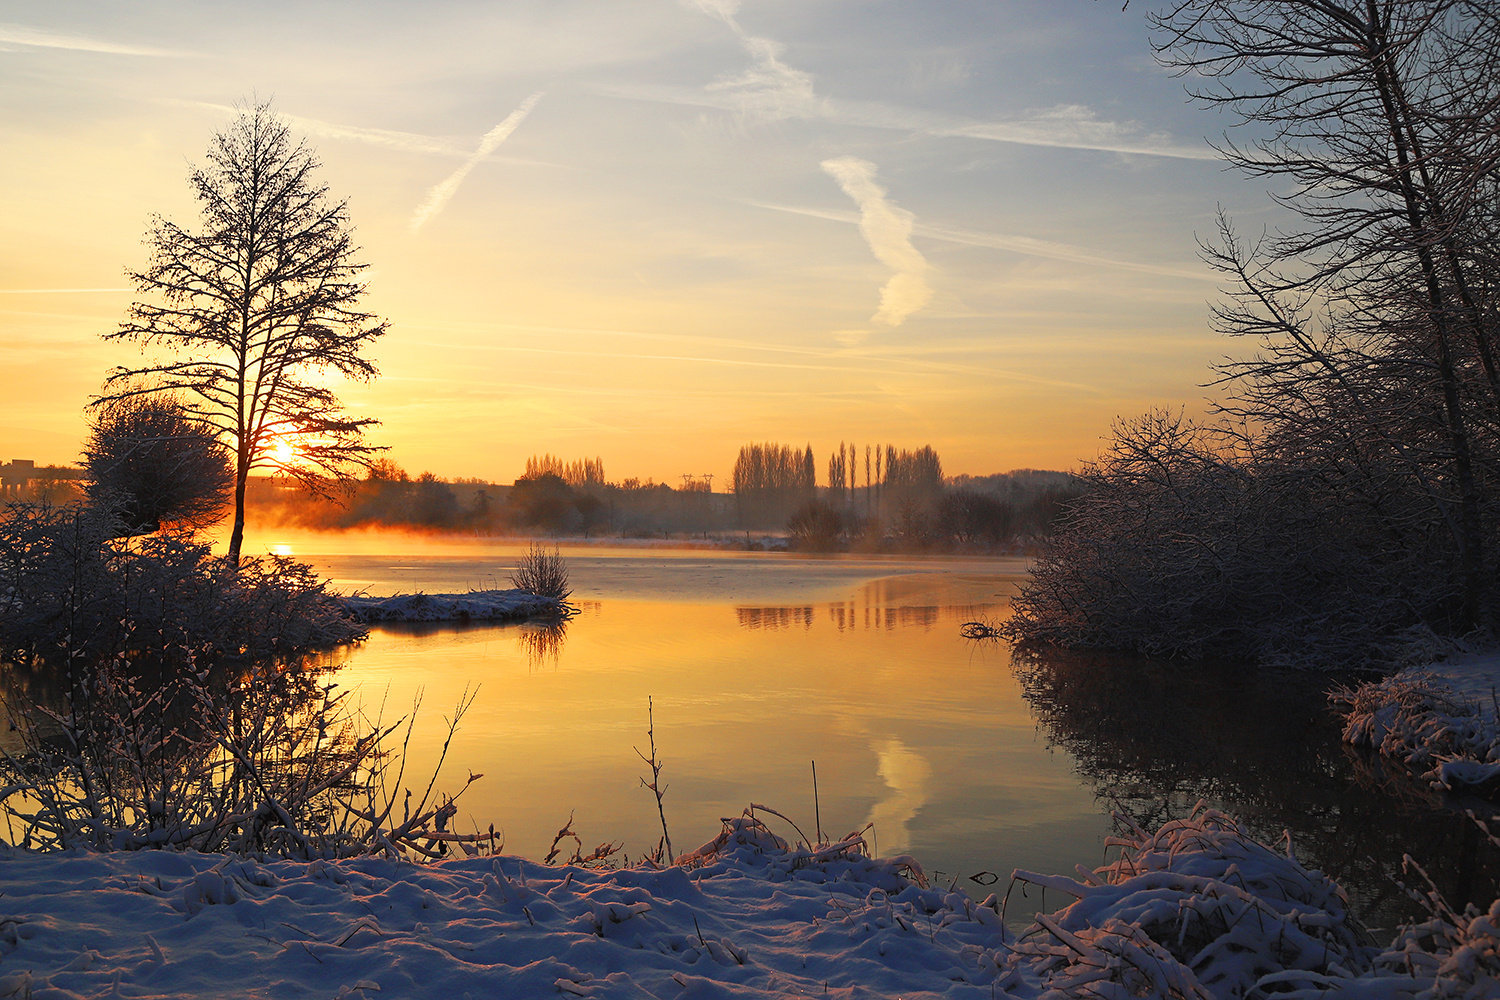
pixel 714 229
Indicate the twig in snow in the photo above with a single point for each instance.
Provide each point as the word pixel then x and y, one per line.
pixel 655 784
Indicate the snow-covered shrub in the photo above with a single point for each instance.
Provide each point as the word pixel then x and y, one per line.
pixel 269 760
pixel 1194 541
pixel 1197 909
pixel 150 462
pixel 68 580
pixel 1414 717
pixel 1457 953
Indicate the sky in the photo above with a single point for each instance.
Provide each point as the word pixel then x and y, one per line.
pixel 652 230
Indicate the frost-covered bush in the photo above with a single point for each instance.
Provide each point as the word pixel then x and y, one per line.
pixel 543 572
pixel 149 462
pixel 1197 909
pixel 1414 717
pixel 69 582
pixel 1192 541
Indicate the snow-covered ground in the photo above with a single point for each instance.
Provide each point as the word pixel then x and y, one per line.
pixel 1195 909
pixel 476 605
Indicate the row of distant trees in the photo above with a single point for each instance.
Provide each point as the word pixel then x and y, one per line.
pixel 772 490
pixel 771 482
pixel 553 497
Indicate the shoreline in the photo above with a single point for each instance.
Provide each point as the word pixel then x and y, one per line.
pixel 1195 909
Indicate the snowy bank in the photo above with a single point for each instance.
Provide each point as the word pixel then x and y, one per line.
pixel 1429 723
pixel 476 605
pixel 1195 910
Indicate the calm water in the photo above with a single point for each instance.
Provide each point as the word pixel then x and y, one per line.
pixel 756 665
pixel 759 664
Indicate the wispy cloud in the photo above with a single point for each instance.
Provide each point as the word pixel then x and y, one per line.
pixel 1075 126
pixel 1063 251
pixel 1016 244
pixel 1068 126
pixel 57 291
pixel 440 195
pixel 769 88
pixel 41 38
pixel 888 229
pixel 411 142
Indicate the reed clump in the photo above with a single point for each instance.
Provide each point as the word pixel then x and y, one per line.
pixel 542 571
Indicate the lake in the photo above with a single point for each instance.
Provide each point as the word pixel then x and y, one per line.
pixel 755 665
pixel 972 759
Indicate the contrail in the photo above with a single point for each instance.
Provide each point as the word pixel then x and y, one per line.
pixel 20 34
pixel 389 138
pixel 769 88
pixel 1017 244
pixel 887 228
pixel 439 196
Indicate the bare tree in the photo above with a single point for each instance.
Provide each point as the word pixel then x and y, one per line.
pixel 1384 118
pixel 1349 507
pixel 149 463
pixel 258 305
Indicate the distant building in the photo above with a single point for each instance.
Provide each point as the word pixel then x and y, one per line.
pixel 15 477
pixel 23 479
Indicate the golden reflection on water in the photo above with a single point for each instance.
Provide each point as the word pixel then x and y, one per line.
pixel 911 727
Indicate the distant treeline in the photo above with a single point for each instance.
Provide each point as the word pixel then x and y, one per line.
pixel 903 503
pixel 554 498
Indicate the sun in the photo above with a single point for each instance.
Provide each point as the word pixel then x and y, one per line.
pixel 282 452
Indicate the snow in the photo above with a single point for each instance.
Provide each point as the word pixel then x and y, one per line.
pixel 476 605
pixel 1193 910
pixel 1428 722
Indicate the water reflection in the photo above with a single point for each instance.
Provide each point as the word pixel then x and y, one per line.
pixel 543 643
pixel 922 602
pixel 907 775
pixel 910 725
pixel 775 617
pixel 1155 738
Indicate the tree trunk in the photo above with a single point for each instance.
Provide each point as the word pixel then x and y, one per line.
pixel 1419 219
pixel 237 534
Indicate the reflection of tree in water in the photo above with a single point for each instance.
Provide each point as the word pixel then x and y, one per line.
pixel 140 752
pixel 887 604
pixel 851 616
pixel 775 618
pixel 1155 738
pixel 543 642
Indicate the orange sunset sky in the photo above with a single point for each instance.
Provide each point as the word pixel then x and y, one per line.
pixel 652 230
